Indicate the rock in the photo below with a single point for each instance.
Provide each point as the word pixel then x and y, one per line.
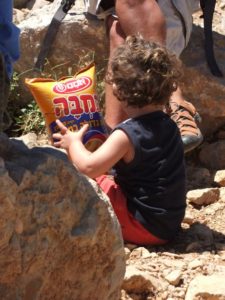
pixel 127 252
pixel 59 237
pixel 196 263
pixel 141 252
pixel 220 178
pixel 29 139
pixel 206 287
pixel 79 39
pixel 203 196
pixel 222 194
pixel 200 87
pixel 212 155
pixel 136 281
pixel 213 208
pixel 19 15
pixel 188 218
pixel 174 277
pixel 222 5
pixel 198 177
pixel 206 94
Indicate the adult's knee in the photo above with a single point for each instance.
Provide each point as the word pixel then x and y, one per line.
pixel 142 16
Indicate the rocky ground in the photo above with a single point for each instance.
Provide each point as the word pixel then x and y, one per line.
pixel 193 265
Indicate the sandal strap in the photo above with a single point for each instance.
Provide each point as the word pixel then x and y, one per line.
pixel 185 115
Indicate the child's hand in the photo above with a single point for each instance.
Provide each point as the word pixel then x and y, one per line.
pixel 66 137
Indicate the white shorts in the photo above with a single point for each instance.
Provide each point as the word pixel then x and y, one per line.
pixel 178 14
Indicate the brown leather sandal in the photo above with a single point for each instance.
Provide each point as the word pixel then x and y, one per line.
pixel 186 117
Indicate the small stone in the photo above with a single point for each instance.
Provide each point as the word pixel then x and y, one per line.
pixel 145 253
pixel 222 194
pixel 188 218
pixel 164 295
pixel 195 264
pixel 220 177
pixel 203 196
pixel 222 255
pixel 127 253
pixel 181 294
pixel 136 281
pixel 222 5
pixel 174 277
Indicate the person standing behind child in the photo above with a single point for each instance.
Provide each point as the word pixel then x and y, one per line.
pixel 148 190
pixel 168 22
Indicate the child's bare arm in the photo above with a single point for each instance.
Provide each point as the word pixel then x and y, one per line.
pixel 94 163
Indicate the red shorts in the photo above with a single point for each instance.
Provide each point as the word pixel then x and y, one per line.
pixel 132 230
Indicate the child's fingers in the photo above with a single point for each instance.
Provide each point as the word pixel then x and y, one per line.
pixel 84 128
pixel 61 126
pixel 57 144
pixel 57 136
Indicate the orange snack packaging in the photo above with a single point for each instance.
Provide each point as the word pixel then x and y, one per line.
pixel 73 101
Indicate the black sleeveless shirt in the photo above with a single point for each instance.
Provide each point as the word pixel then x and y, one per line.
pixel 154 181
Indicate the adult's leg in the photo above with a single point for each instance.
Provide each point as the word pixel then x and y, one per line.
pixel 142 16
pixel 135 16
pixel 114 113
pixel 147 18
pixel 180 110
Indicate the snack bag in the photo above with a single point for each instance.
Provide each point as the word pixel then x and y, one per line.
pixel 73 100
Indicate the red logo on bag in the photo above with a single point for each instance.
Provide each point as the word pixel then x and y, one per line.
pixel 73 85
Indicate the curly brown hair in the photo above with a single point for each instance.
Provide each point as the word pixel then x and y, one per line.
pixel 143 72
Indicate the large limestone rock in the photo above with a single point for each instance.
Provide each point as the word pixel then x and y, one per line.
pixel 78 36
pixel 206 287
pixel 200 87
pixel 212 155
pixel 59 237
